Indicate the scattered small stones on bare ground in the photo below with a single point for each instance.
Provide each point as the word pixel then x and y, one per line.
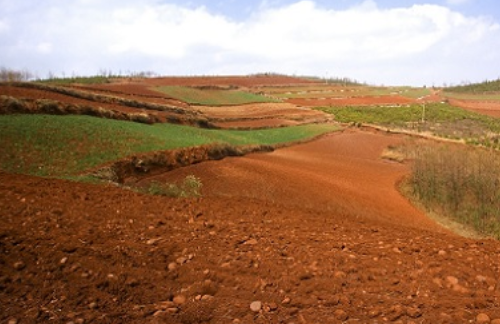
pixel 118 256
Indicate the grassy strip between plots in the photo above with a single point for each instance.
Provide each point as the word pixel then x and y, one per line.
pixel 439 119
pixel 67 145
pixel 212 97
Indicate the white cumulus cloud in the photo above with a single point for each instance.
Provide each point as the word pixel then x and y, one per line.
pixel 457 2
pixel 407 44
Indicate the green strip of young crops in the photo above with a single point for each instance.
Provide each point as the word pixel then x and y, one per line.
pixel 209 97
pixel 439 119
pixel 67 145
pixel 434 113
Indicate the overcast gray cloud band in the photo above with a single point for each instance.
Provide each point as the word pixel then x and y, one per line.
pixel 419 44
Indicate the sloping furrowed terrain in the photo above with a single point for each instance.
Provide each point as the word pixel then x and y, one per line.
pixel 314 233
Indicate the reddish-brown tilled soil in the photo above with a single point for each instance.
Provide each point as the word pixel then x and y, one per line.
pixel 314 233
pixel 26 93
pixel 35 94
pixel 490 108
pixel 249 116
pixel 352 101
pixel 246 81
pixel 262 115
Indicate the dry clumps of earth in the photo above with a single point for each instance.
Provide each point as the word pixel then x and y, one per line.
pixel 313 233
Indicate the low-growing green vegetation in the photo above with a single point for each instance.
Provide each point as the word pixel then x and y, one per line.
pixel 326 91
pixel 413 93
pixel 101 78
pixel 63 146
pixel 97 79
pixel 340 81
pixel 213 97
pixel 400 116
pixel 439 119
pixel 460 182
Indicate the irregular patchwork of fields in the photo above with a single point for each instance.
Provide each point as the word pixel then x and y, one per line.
pixel 311 233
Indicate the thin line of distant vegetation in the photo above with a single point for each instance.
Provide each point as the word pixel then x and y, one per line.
pixel 104 76
pixel 344 81
pixel 476 88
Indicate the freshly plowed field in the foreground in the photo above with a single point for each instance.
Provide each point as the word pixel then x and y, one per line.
pixel 315 233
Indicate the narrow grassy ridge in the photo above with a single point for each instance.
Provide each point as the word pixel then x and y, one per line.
pixel 212 97
pixel 60 146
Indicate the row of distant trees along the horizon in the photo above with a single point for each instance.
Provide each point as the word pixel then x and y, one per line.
pixel 9 75
pixel 12 75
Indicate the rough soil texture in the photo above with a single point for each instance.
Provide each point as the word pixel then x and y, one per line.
pixel 315 233
pixel 490 108
pixel 262 115
pixel 247 81
pixel 352 101
pixel 251 116
pixel 134 91
pixel 35 94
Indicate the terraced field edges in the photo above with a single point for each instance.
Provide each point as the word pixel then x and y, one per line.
pixel 213 97
pixel 67 145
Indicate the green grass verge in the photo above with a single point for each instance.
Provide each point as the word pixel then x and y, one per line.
pixel 64 146
pixel 211 97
